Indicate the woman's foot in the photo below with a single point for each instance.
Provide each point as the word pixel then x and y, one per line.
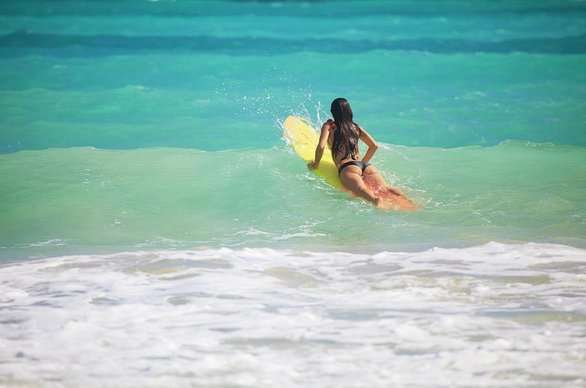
pixel 397 204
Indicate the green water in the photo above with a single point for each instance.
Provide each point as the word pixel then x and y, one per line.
pixel 71 198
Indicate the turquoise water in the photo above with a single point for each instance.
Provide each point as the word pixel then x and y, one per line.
pixel 143 176
pixel 80 199
pixel 493 93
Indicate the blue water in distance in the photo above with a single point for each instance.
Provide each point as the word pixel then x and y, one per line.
pixel 218 75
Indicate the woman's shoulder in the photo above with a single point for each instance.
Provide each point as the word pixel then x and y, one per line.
pixel 329 123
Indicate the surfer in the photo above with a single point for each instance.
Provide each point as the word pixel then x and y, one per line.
pixel 356 174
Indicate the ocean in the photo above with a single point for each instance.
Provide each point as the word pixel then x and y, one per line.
pixel 156 229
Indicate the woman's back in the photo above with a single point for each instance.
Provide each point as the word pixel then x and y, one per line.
pixel 344 143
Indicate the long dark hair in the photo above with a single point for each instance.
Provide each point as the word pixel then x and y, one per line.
pixel 347 132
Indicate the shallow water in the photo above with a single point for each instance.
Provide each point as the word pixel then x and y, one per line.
pixel 156 230
pixel 64 200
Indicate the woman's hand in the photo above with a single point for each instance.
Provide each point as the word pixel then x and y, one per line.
pixel 312 165
pixel 372 145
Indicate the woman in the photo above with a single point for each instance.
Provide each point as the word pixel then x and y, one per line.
pixel 356 174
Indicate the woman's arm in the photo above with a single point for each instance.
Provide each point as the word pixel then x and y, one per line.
pixel 372 146
pixel 321 145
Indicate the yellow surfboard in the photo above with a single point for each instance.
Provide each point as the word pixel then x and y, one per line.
pixel 303 138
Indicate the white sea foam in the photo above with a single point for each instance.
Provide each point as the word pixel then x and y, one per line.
pixel 491 315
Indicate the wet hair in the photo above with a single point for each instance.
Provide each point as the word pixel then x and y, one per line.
pixel 347 132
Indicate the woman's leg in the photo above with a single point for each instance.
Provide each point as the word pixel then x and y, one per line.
pixel 351 178
pixel 374 179
pixel 396 200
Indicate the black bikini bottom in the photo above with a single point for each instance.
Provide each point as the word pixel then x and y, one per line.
pixel 357 163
